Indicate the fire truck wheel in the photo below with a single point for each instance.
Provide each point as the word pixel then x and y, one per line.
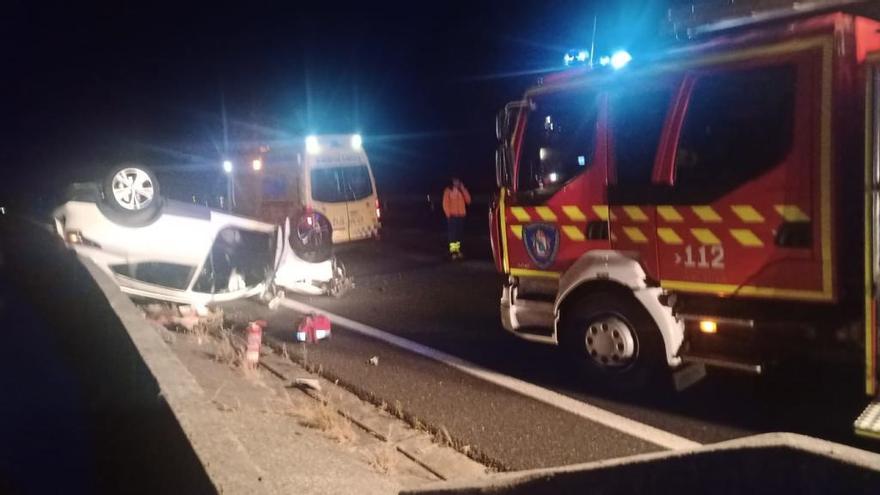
pixel 612 339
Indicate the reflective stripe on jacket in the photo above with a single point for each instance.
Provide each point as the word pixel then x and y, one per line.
pixel 455 201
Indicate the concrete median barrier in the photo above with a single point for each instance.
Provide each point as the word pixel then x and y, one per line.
pixel 147 425
pixel 768 463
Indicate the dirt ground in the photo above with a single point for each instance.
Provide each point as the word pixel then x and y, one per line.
pixel 302 444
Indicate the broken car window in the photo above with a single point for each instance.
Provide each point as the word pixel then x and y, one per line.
pixel 239 259
pixel 168 275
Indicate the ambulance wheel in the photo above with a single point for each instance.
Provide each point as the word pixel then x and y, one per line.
pixel 612 340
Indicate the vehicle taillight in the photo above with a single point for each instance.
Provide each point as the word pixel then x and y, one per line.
pixel 76 237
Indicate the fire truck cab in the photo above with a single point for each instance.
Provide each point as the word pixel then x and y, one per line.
pixel 714 204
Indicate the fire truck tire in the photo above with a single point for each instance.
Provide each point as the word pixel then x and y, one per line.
pixel 612 340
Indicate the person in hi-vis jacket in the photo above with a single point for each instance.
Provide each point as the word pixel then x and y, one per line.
pixel 455 200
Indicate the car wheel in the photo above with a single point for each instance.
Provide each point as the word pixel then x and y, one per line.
pixel 131 188
pixel 612 340
pixel 340 283
pixel 131 195
pixel 311 238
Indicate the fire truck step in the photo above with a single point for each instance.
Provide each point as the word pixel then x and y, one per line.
pixel 726 362
pixel 868 423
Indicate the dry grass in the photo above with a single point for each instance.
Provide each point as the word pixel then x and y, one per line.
pixel 383 459
pixel 323 417
pixel 418 425
pixel 305 356
pixel 226 351
pixel 198 332
pixel 442 437
pixel 206 326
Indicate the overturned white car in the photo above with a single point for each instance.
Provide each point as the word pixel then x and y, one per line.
pixel 190 254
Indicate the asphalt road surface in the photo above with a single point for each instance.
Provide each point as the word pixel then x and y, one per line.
pixel 406 288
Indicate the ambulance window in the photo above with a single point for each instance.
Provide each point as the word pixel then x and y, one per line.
pixel 559 140
pixel 358 181
pixel 738 124
pixel 636 122
pixel 341 184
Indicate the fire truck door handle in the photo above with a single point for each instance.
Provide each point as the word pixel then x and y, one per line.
pixel 794 235
pixel 597 230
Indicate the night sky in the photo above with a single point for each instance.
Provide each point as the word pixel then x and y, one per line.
pixel 95 84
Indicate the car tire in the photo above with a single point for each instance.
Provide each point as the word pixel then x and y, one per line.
pixel 131 195
pixel 340 282
pixel 612 340
pixel 311 238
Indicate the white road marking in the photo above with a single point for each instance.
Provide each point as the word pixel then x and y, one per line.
pixel 617 422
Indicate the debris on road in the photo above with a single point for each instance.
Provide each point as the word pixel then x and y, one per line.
pixel 308 383
pixel 275 302
pixel 196 320
pixel 374 360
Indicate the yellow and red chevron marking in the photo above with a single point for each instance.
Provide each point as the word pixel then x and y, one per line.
pixel 556 214
pixel 701 235
pixel 748 225
pixel 730 214
pixel 575 233
pixel 710 214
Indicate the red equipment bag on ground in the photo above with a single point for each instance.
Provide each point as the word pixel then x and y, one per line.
pixel 313 328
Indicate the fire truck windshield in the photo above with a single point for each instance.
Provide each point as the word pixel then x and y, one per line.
pixel 559 140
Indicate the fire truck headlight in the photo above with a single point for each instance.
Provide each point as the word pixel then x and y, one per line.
pixel 356 141
pixel 554 177
pixel 708 326
pixel 312 145
pixel 619 59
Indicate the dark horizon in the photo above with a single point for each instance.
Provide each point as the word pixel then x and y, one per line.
pixel 99 84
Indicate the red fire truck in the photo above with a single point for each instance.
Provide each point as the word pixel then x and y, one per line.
pixel 716 204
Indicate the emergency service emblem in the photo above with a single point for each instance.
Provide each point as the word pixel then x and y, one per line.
pixel 542 243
